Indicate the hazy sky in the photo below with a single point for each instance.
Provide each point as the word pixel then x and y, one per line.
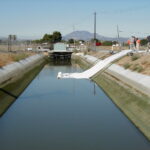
pixel 33 18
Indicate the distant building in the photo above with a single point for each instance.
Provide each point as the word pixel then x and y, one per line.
pixel 42 49
pixel 60 47
pixel 61 51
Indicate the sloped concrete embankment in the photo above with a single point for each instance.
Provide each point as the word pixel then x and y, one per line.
pixel 128 90
pixel 14 78
pixel 15 70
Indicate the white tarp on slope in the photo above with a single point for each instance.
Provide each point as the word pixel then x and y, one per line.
pixel 95 69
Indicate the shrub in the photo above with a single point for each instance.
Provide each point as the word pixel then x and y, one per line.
pixel 140 69
pixel 137 68
pixel 19 57
pixel 135 57
pixel 107 43
pixel 85 52
pixel 126 66
pixel 144 42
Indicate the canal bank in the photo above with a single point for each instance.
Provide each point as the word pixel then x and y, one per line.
pixel 14 78
pixel 133 102
pixel 54 114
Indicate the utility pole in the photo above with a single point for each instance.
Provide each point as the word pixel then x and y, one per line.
pixel 9 42
pixel 95 30
pixel 11 38
pixel 73 38
pixel 118 36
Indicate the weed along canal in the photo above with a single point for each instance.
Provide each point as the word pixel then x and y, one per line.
pixel 67 114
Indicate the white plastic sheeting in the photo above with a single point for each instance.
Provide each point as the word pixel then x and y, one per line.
pixel 95 69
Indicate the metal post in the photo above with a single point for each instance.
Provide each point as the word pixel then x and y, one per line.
pixel 118 33
pixel 74 38
pixel 118 36
pixel 95 31
pixel 9 42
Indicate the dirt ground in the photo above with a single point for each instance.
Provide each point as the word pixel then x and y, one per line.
pixel 118 48
pixel 8 58
pixel 138 62
pixel 18 47
pixel 100 55
pixel 5 59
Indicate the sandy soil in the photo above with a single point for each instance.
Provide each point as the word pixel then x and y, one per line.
pixel 137 62
pixel 8 58
pixel 5 59
pixel 100 55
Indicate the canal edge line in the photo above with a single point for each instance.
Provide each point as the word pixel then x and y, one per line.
pixel 136 80
pixel 16 82
pixel 134 104
pixel 16 70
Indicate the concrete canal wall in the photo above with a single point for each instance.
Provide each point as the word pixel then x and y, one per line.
pixel 14 78
pixel 128 90
pixel 136 80
pixel 16 70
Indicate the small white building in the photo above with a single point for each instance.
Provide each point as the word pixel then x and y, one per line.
pixel 60 47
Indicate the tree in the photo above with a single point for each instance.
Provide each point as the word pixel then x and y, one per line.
pixel 93 40
pixel 50 38
pixel 47 38
pixel 71 41
pixel 107 43
pixel 144 42
pixel 82 41
pixel 57 36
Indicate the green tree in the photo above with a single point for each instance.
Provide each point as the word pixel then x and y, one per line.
pixel 144 42
pixel 93 40
pixel 57 37
pixel 50 38
pixel 107 43
pixel 36 41
pixel 47 38
pixel 71 41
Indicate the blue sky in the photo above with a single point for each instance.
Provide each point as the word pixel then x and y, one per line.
pixel 33 18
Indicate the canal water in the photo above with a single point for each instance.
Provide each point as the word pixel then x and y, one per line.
pixel 69 114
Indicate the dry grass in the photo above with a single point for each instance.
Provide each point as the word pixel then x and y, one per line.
pixel 8 58
pixel 5 59
pixel 137 62
pixel 100 55
pixel 118 48
pixel 18 47
pixel 110 47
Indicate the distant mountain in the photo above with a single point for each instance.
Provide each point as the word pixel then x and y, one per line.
pixel 79 35
pixel 86 36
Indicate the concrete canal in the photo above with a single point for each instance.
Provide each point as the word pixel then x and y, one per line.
pixel 54 114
